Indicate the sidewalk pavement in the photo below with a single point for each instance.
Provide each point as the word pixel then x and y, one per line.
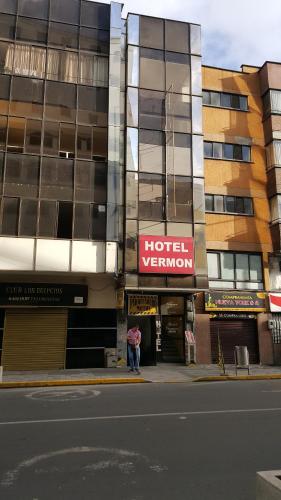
pixel 162 373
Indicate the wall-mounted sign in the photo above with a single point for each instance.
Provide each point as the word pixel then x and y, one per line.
pixel 232 315
pixel 275 302
pixel 235 301
pixel 166 255
pixel 142 305
pixel 43 295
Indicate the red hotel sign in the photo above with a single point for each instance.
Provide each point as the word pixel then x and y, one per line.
pixel 166 255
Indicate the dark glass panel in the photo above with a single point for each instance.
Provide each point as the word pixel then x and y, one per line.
pixel 99 143
pixel 131 252
pixel 28 218
pixel 84 142
pixel 60 101
pixel 151 197
pixel 63 35
pixel 178 111
pixel 246 153
pixel 215 98
pixel 96 15
pixel 179 198
pixel 208 149
pixel 178 151
pixel 51 138
pixel 226 100
pixel 98 229
pixel 33 136
pixel 48 219
pixel 27 97
pixel 177 73
pixel 92 106
pixel 3 131
pixel 228 151
pixel 243 102
pixel 16 132
pixel 7 26
pixel 65 218
pixel 6 57
pixel 22 175
pixel 151 151
pixel 217 150
pixel 90 182
pixel 57 179
pixel 132 195
pixel 206 97
pixel 237 152
pixel 32 31
pixel 4 94
pixel 239 205
pixel 152 69
pixel 219 203
pixel 8 6
pixel 34 8
pixel 82 221
pixel 152 109
pixel 151 32
pixel 65 11
pixel 235 101
pixel 248 206
pixel 176 36
pixel 10 216
pixel 94 40
pixel 209 202
pixel 230 204
pixel 67 140
pixel 62 65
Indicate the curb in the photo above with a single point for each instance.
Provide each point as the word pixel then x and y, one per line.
pixel 222 378
pixel 62 383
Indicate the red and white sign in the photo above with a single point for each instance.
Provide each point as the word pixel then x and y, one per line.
pixel 166 255
pixel 275 302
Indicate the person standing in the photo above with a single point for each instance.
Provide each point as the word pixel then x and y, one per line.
pixel 134 340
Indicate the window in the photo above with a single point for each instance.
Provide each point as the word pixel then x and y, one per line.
pixel 176 36
pixel 27 61
pixel 225 100
pixel 151 151
pixel 4 93
pixel 178 154
pixel 151 197
pixel 94 40
pixel 3 131
pixel 34 8
pixel 51 138
pixel 65 217
pixel 27 97
pixel 31 31
pixel 62 65
pixel 152 110
pixel 93 70
pixel 151 32
pixel 33 136
pixel 16 133
pixel 60 101
pixel 8 6
pixel 65 11
pixel 179 198
pixel 10 215
pixel 28 218
pixel 57 179
pixel 224 151
pixel 235 270
pixel 7 26
pixel 95 15
pixel 152 69
pixel 47 219
pixel 229 204
pixel 178 111
pixel 92 106
pixel 98 222
pixel 22 175
pixel 63 35
pixel 177 73
pixel 272 102
pixel 90 182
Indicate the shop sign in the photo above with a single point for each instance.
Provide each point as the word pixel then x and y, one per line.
pixel 142 305
pixel 43 295
pixel 275 302
pixel 166 255
pixel 235 301
pixel 233 315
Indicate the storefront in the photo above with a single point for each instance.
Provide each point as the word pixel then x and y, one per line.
pixel 45 326
pixel 233 321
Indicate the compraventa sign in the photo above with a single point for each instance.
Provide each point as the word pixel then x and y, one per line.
pixel 166 255
pixel 43 295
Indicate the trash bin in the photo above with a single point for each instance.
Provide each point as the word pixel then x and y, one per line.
pixel 241 357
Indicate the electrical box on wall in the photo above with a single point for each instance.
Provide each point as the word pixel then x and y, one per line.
pixel 270 324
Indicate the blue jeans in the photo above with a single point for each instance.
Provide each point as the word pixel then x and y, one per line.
pixel 134 357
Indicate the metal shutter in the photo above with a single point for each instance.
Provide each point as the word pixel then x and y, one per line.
pixel 232 333
pixel 34 339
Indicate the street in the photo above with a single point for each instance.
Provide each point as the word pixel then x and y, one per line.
pixel 139 442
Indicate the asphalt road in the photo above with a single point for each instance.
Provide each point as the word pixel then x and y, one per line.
pixel 141 442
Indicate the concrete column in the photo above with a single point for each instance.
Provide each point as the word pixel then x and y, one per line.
pixel 121 338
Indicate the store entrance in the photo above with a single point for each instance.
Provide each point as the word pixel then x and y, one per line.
pixel 147 325
pixel 172 339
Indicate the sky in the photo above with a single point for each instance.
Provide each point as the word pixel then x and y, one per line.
pixel 234 32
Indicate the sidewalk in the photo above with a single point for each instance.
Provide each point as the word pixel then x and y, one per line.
pixel 162 373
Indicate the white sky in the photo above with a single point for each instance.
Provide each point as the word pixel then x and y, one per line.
pixel 234 32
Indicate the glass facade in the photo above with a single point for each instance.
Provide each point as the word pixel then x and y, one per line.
pixel 164 144
pixel 54 92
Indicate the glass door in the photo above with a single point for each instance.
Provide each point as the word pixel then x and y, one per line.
pixel 172 339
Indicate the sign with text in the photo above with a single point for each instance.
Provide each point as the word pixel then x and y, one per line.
pixel 43 295
pixel 142 305
pixel 235 301
pixel 166 255
pixel 275 302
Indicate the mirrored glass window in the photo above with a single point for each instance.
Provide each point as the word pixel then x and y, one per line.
pixel 10 215
pixel 6 57
pixel 100 144
pixel 60 101
pixel 198 200
pixel 132 195
pixel 33 136
pixel 7 26
pixel 132 149
pixel 4 93
pixel 3 131
pixel 8 6
pixel 22 175
pixel 27 97
pixel 152 69
pixel 196 75
pixel 151 197
pixel 28 218
pixel 152 110
pixel 196 115
pixel 47 219
pixel 31 31
pixel 177 72
pixel 98 222
pixel 176 36
pixel 96 15
pixel 151 32
pixel 152 227
pixel 179 198
pixel 51 138
pixel 133 66
pixel 242 267
pixel 90 182
pixel 67 140
pixel 94 40
pixel 57 179
pixel 84 142
pixel 16 132
pixel 197 156
pixel 33 8
pixel 131 243
pixel 151 151
pixel 82 221
pixel 93 70
pixel 92 106
pixel 133 29
pixel 69 13
pixel 178 154
pixel 62 65
pixel 178 113
pixel 132 107
pixel 63 35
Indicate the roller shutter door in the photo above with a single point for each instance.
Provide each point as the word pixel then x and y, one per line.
pixel 34 339
pixel 232 333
